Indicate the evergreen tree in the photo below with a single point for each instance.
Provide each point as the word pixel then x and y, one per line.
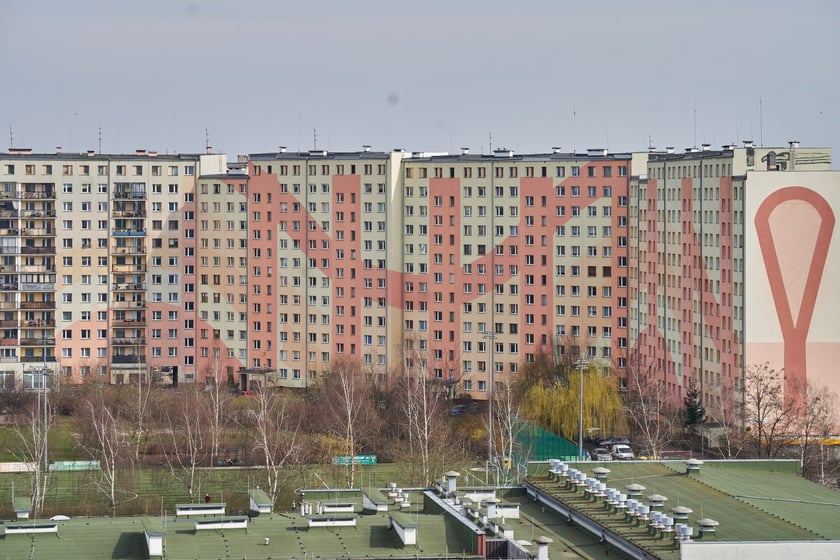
pixel 695 412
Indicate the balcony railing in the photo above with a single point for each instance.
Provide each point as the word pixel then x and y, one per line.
pixel 128 323
pixel 130 287
pixel 37 286
pixel 128 359
pixel 37 305
pixel 128 304
pixel 129 342
pixel 37 250
pixel 129 250
pixel 34 359
pixel 37 342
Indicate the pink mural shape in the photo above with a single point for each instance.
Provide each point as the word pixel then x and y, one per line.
pixel 794 330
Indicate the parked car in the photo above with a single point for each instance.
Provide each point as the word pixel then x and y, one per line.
pixel 458 410
pixel 610 441
pixel 602 454
pixel 622 452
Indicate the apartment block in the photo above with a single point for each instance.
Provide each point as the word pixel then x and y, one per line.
pixel 92 252
pixel 506 256
pixel 731 265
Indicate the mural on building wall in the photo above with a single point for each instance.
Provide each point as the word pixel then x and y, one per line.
pixel 791 268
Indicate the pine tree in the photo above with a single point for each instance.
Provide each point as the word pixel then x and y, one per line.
pixel 695 412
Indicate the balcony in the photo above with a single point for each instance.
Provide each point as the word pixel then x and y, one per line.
pixel 37 342
pixel 129 232
pixel 128 322
pixel 128 305
pixel 129 250
pixel 39 214
pixel 128 342
pixel 37 305
pixel 36 359
pixel 13 324
pixel 37 286
pixel 38 323
pixel 8 286
pixel 130 287
pixel 10 341
pixel 37 250
pixel 128 268
pixel 128 359
pixel 37 232
pixel 39 194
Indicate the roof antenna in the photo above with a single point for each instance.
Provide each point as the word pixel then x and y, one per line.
pixel 314 139
pixel 490 137
pixel 574 120
pixel 99 150
pixel 206 139
pixel 760 121
pixel 11 137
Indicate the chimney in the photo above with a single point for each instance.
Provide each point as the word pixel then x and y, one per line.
pixel 58 149
pixel 140 152
pixel 706 147
pixel 748 143
pixel 366 147
pixel 669 149
pixel 20 151
pixel 153 153
pixel 281 149
pixel 451 485
pixel 492 503
pixel 209 149
pixel 90 153
pixel 542 547
pixel 555 149
pixel 793 144
pixel 465 151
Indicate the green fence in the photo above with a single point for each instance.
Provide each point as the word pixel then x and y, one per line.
pixel 536 444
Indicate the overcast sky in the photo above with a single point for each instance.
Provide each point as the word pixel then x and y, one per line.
pixel 425 76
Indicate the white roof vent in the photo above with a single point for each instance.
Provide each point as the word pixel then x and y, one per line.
pixel 793 144
pixel 706 147
pixel 465 151
pixel 366 147
pixel 502 153
pixel 281 149
pixel 555 149
pixel 317 153
pixel 596 152
pixel 748 143
pixel 669 149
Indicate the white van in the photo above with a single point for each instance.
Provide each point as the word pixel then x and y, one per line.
pixel 622 452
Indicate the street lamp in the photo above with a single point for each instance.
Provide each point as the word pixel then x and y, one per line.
pixel 581 364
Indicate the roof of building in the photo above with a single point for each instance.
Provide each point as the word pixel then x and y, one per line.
pixel 751 501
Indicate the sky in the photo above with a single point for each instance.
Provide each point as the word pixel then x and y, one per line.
pixel 252 75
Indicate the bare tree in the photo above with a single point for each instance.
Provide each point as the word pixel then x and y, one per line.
pixel 421 404
pixel 32 427
pixel 183 442
pixel 813 423
pixel 346 392
pixel 508 413
pixel 144 391
pixel 769 412
pixel 103 440
pixel 276 431
pixel 215 404
pixel 649 409
pixel 727 414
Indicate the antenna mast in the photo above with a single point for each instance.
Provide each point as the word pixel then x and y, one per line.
pixel 314 139
pixel 11 137
pixel 99 150
pixel 206 138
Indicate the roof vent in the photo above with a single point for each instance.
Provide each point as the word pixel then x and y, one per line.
pixel 502 153
pixel 20 151
pixel 669 149
pixel 90 153
pixel 366 147
pixel 140 152
pixel 706 147
pixel 595 152
pixel 748 143
pixel 153 153
pixel 793 144
pixel 208 149
pixel 555 149
pixel 58 149
pixel 317 153
pixel 465 151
